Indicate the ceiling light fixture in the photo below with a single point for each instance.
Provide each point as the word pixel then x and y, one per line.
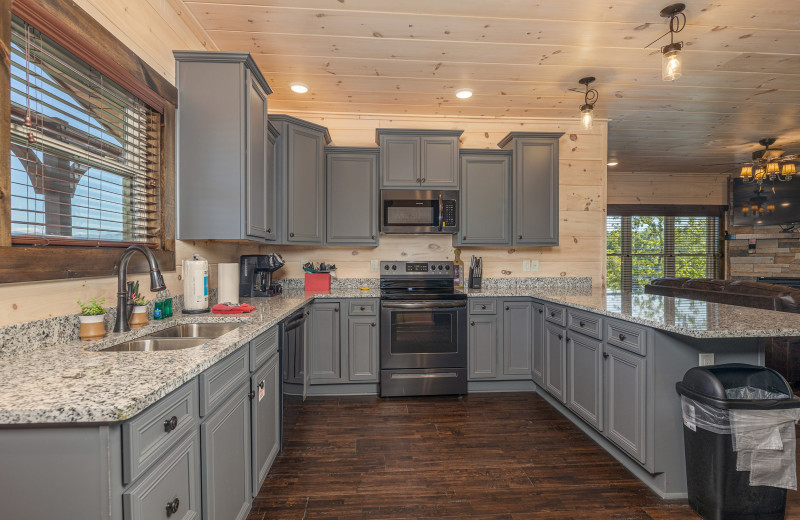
pixel 464 93
pixel 589 99
pixel 769 163
pixel 671 60
pixel 300 88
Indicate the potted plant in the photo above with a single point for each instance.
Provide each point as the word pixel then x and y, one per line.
pixel 139 314
pixel 92 318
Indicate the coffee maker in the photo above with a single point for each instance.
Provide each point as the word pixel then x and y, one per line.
pixel 255 275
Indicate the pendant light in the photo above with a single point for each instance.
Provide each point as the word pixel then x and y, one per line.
pixel 589 99
pixel 671 59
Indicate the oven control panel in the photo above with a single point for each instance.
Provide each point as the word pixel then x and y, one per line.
pixel 436 269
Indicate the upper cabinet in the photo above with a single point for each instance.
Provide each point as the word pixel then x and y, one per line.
pixel 301 174
pixel 351 181
pixel 223 189
pixel 418 158
pixel 534 187
pixel 485 212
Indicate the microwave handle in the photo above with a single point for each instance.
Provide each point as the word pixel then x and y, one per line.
pixel 441 212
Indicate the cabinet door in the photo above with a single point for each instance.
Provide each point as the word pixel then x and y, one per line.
pixel 326 354
pixel 305 186
pixel 536 191
pixel 625 400
pixel 517 319
pixel 273 167
pixel 400 161
pixel 555 362
pixel 352 198
pixel 585 378
pixel 538 344
pixel 439 162
pixel 225 459
pixel 485 200
pixel 266 419
pixel 362 339
pixel 256 172
pixel 483 342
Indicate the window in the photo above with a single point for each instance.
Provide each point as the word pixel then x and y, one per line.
pixel 640 248
pixel 85 153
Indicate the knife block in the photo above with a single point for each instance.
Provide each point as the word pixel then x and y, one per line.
pixel 474 281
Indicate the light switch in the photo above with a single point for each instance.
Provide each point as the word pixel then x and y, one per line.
pixel 526 266
pixel 373 266
pixel 534 266
pixel 706 360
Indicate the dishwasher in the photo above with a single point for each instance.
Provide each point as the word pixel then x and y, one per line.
pixel 294 367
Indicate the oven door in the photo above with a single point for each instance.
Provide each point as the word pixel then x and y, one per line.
pixel 423 334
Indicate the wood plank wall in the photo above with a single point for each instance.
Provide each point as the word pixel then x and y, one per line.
pixel 667 188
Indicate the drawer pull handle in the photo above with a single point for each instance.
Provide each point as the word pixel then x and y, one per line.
pixel 172 507
pixel 472 323
pixel 582 324
pixel 507 307
pixel 622 337
pixel 483 307
pixel 170 424
pixel 560 336
pixel 373 323
pixel 252 394
pixel 605 355
pixel 362 307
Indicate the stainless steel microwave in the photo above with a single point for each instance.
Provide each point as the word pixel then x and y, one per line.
pixel 419 211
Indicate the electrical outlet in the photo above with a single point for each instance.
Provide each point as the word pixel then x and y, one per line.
pixel 373 266
pixel 526 266
pixel 534 266
pixel 706 360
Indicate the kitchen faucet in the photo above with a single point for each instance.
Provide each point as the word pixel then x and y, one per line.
pixel 124 301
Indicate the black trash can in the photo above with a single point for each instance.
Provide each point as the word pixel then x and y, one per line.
pixel 717 491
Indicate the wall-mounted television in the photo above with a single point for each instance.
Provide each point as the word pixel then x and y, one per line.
pixel 772 203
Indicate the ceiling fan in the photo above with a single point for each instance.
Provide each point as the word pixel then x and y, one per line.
pixel 769 163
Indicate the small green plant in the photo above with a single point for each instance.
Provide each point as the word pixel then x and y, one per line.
pixel 93 308
pixel 137 298
pixel 140 301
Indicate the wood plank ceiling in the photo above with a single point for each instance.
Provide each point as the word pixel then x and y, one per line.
pixel 741 78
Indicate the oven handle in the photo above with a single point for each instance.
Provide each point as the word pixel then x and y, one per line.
pixel 424 305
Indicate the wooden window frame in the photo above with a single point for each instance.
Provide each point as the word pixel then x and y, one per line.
pixel 75 30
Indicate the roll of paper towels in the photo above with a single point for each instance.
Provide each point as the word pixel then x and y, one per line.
pixel 228 282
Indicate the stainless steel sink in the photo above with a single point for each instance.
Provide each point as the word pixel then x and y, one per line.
pixel 196 330
pixel 148 344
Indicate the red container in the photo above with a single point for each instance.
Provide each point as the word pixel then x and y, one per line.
pixel 318 282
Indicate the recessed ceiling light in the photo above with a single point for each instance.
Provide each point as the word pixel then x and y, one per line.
pixel 785 204
pixel 464 93
pixel 300 88
pixel 612 163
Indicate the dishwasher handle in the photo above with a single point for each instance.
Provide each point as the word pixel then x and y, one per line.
pixel 294 323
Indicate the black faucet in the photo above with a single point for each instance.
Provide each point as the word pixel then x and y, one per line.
pixel 124 301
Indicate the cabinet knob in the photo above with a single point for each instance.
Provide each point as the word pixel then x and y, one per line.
pixel 472 323
pixel 552 314
pixel 605 355
pixel 252 394
pixel 362 307
pixel 507 307
pixel 560 336
pixel 520 237
pixel 540 311
pixel 373 323
pixel 581 324
pixel 419 180
pixel 172 507
pixel 269 230
pixel 423 179
pixel 622 337
pixel 373 237
pixel 336 309
pixel 483 307
pixel 170 424
pixel 308 313
pixel 261 385
pixel 291 234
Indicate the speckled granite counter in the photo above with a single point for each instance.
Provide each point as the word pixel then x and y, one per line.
pixel 694 318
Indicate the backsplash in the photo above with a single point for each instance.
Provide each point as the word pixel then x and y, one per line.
pixel 771 257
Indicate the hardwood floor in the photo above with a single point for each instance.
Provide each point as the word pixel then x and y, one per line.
pixel 489 456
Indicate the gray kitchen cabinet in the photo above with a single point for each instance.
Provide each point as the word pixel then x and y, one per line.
pixel 418 158
pixel 485 211
pixel 484 333
pixel 535 187
pixel 265 419
pixel 362 345
pixel 585 378
pixel 537 347
pixel 273 188
pixel 225 453
pixel 517 338
pixel 326 352
pixel 301 169
pixel 222 185
pixel 351 181
pixel 626 398
pixel 555 361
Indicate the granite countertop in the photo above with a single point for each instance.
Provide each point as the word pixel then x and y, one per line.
pixel 693 318
pixel 74 383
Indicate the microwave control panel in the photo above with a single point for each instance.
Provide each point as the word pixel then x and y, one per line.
pixel 449 213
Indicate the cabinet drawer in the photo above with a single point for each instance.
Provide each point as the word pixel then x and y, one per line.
pixel 149 435
pixel 219 381
pixel 585 323
pixel 173 483
pixel 263 347
pixel 555 314
pixel 627 336
pixel 483 306
pixel 362 307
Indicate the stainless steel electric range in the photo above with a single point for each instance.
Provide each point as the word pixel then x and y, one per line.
pixel 423 330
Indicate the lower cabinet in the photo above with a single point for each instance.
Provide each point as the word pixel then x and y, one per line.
pixel 362 347
pixel 517 338
pixel 585 378
pixel 555 361
pixel 225 452
pixel 482 354
pixel 537 347
pixel 326 352
pixel 625 386
pixel 500 341
pixel 265 409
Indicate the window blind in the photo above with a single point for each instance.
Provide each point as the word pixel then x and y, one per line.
pixel 85 154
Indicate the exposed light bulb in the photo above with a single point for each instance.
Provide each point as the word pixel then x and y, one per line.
pixel 300 88
pixel 587 117
pixel 464 93
pixel 671 63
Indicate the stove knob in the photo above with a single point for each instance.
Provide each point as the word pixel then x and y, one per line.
pixel 394 268
pixel 440 267
pixel 386 267
pixel 447 268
